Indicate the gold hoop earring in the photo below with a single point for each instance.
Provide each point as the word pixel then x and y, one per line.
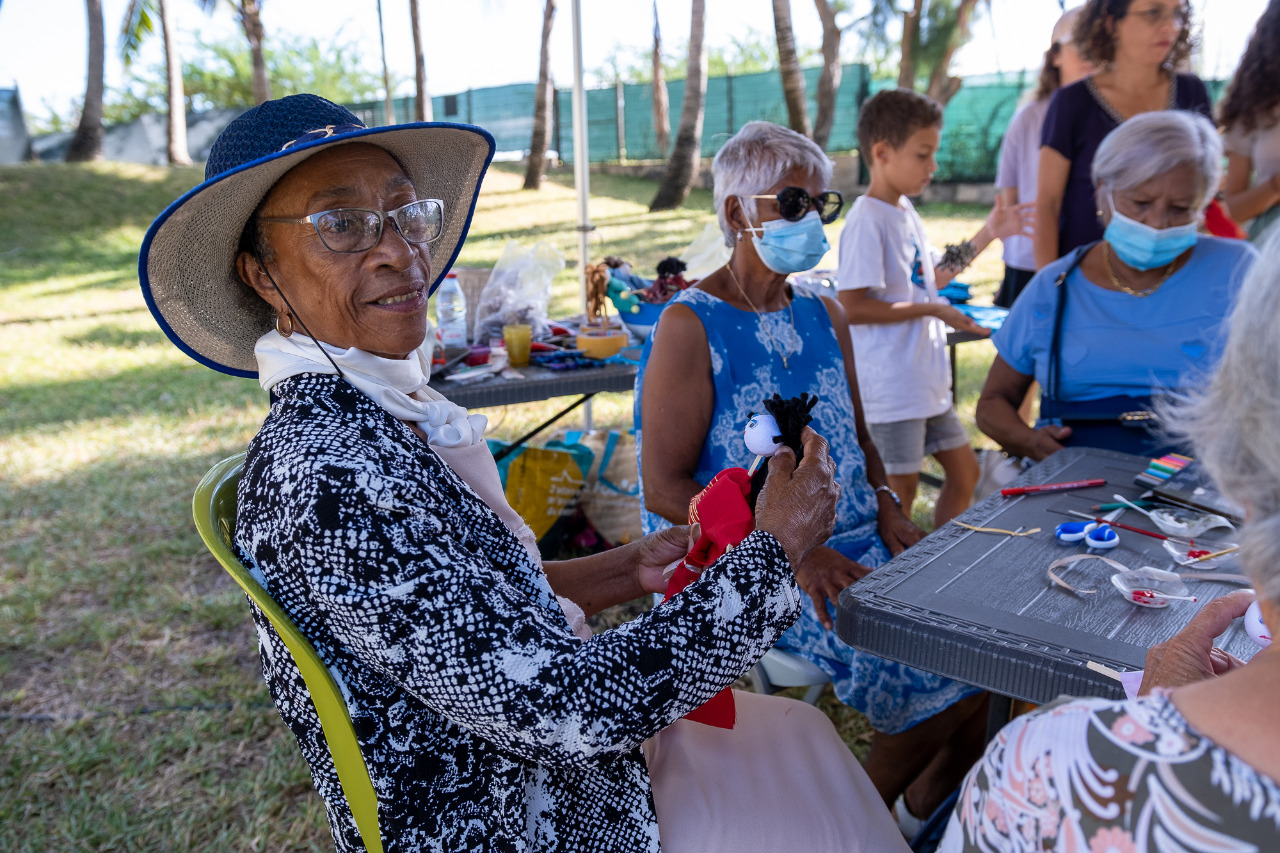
pixel 286 316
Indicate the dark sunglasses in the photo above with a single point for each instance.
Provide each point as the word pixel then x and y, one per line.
pixel 794 203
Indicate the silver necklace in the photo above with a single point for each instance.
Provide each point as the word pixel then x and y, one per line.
pixel 773 344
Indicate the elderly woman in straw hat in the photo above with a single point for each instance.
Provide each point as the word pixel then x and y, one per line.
pixel 373 513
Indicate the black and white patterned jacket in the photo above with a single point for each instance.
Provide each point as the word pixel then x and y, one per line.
pixel 485 723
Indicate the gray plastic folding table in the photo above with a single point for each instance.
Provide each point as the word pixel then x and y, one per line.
pixel 979 608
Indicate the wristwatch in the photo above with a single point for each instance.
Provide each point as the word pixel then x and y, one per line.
pixel 891 494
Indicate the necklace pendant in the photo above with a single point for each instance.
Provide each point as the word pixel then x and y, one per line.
pixel 785 364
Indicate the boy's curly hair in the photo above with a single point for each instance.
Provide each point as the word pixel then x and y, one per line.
pixel 892 116
pixel 1096 43
pixel 1253 94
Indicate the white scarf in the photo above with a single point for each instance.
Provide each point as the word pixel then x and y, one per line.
pixel 397 385
pixel 400 387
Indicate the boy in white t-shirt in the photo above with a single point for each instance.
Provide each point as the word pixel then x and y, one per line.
pixel 888 280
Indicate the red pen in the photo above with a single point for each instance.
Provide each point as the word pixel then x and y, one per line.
pixel 1051 487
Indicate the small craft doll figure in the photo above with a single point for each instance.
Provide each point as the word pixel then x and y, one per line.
pixel 724 513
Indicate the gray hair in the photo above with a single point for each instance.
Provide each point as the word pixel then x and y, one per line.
pixel 1233 422
pixel 1150 144
pixel 757 157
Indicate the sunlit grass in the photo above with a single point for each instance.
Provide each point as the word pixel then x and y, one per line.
pixel 109 603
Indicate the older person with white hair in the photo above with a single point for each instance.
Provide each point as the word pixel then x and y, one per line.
pixel 1192 763
pixel 1137 313
pixel 740 336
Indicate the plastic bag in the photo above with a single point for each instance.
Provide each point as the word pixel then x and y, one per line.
pixel 610 498
pixel 518 290
pixel 706 253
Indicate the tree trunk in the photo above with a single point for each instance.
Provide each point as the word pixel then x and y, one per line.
pixel 251 20
pixel 87 142
pixel 910 37
pixel 942 86
pixel 682 168
pixel 389 107
pixel 789 67
pixel 829 81
pixel 542 106
pixel 661 109
pixel 422 101
pixel 179 155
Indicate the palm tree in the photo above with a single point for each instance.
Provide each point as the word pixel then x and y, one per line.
pixel 829 80
pixel 138 22
pixel 942 86
pixel 789 66
pixel 250 14
pixel 542 105
pixel 930 36
pixel 910 40
pixel 389 107
pixel 87 142
pixel 682 168
pixel 422 101
pixel 661 108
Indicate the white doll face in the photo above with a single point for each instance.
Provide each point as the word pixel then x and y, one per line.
pixel 1255 627
pixel 759 434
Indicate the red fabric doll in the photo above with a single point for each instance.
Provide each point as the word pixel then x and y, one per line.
pixel 725 512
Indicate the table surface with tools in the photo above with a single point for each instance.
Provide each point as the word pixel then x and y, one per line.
pixel 979 607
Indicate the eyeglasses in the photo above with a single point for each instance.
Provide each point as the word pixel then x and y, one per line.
pixel 1157 16
pixel 794 203
pixel 352 229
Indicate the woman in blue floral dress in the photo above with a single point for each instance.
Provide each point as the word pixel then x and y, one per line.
pixel 720 349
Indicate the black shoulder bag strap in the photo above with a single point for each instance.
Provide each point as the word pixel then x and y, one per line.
pixel 1051 400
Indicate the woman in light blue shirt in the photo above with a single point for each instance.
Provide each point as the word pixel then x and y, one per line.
pixel 1136 313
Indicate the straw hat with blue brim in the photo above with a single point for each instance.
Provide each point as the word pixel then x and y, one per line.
pixel 187 263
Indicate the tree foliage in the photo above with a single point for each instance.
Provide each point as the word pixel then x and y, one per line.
pixel 878 31
pixel 749 52
pixel 220 74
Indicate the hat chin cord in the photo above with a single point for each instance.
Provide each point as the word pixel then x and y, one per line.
pixel 294 311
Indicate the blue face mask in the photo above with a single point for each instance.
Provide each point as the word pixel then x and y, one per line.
pixel 787 247
pixel 1143 247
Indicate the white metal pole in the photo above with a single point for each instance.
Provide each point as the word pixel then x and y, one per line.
pixel 581 175
pixel 581 156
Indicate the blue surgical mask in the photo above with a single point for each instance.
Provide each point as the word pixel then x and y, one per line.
pixel 1143 247
pixel 787 247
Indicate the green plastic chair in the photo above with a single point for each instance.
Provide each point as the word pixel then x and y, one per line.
pixel 214 507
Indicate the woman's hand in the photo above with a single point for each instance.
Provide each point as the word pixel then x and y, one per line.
pixel 897 530
pixel 1009 220
pixel 798 502
pixel 1046 441
pixel 1189 655
pixel 823 574
pixel 655 552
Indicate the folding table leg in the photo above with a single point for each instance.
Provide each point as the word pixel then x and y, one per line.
pixel 999 712
pixel 519 442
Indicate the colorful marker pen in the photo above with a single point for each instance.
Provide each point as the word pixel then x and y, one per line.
pixel 1051 487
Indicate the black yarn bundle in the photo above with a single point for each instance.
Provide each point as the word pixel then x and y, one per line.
pixel 792 415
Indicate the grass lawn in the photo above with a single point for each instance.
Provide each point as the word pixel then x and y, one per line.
pixel 131 704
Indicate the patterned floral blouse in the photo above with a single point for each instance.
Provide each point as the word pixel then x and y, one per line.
pixel 485 723
pixel 1098 776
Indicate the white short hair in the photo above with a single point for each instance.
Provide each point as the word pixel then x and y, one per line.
pixel 757 157
pixel 1150 144
pixel 1233 423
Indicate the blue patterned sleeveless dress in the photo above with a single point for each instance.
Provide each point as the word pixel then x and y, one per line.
pixel 746 370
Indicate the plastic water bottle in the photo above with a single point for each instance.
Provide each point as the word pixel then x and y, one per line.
pixel 451 312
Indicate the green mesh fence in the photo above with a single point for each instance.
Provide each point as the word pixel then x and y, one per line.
pixel 620 118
